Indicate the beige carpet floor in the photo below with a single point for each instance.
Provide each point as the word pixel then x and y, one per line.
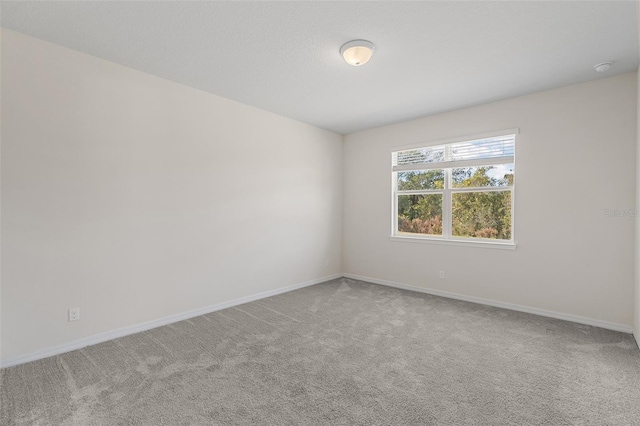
pixel 341 352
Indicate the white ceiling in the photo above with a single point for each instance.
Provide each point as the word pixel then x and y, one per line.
pixel 284 56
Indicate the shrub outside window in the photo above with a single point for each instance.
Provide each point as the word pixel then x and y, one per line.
pixel 461 190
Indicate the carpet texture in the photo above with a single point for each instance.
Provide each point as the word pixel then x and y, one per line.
pixel 341 352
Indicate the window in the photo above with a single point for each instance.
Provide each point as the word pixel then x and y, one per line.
pixel 461 190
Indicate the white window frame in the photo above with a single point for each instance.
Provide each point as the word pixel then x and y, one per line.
pixel 447 196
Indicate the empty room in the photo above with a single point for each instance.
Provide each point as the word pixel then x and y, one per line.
pixel 320 212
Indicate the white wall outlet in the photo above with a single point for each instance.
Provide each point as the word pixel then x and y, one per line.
pixel 74 314
pixel 441 274
pixel 326 262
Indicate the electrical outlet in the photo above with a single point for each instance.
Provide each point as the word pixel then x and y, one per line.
pixel 74 314
pixel 441 274
pixel 326 262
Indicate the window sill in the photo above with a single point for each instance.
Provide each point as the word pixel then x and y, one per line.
pixel 460 243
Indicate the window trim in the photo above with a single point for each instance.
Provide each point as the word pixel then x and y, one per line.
pixel 447 196
pixel 484 243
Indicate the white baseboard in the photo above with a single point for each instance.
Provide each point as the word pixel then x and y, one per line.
pixel 125 331
pixel 636 335
pixel 132 329
pixel 542 312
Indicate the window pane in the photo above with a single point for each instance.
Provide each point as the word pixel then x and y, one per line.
pixel 482 176
pixel 420 214
pixel 484 148
pixel 430 154
pixel 429 179
pixel 482 214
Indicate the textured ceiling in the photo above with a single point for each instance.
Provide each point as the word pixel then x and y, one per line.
pixel 284 56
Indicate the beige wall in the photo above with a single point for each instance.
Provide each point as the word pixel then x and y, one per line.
pixel 636 299
pixel 575 156
pixel 135 198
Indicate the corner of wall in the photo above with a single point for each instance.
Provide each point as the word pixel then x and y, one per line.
pixel 343 140
pixel 636 304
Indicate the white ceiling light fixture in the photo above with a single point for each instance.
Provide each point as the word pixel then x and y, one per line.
pixel 602 67
pixel 357 52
